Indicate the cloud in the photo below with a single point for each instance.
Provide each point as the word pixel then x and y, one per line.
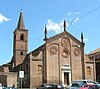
pixel 56 27
pixel 73 13
pixel 74 21
pixel 85 39
pixel 3 18
pixel 76 13
pixel 69 13
pixel 72 18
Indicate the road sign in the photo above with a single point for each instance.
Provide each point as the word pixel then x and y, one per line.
pixel 21 74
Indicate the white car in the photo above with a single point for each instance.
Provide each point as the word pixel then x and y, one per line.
pixel 90 82
pixel 0 86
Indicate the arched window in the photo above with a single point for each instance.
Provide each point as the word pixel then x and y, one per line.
pixel 39 69
pixel 88 70
pixel 21 53
pixel 22 37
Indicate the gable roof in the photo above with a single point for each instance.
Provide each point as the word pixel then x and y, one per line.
pixel 65 33
pixel 35 51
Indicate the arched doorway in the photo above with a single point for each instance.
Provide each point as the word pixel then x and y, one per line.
pixel 3 80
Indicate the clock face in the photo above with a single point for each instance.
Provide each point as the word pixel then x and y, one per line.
pixel 65 42
pixel 53 50
pixel 65 53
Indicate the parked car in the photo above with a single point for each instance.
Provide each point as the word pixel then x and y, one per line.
pixel 43 86
pixel 11 88
pixel 2 87
pixel 92 86
pixel 56 86
pixel 76 85
pixel 90 82
pixel 97 84
pixel 83 86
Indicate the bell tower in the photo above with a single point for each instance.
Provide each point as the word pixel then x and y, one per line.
pixel 20 42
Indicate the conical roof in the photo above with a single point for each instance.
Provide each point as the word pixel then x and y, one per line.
pixel 21 21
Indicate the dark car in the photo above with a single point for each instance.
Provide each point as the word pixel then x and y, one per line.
pixel 43 86
pixel 56 86
pixel 76 85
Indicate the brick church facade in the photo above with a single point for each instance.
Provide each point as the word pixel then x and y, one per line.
pixel 61 59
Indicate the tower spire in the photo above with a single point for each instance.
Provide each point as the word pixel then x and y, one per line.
pixel 21 21
pixel 64 26
pixel 45 32
pixel 82 37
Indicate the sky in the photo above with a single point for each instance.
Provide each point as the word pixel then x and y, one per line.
pixel 80 15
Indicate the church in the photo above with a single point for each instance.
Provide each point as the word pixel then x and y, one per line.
pixel 61 60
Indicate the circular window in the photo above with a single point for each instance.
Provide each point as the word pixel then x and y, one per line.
pixel 53 50
pixel 76 51
pixel 65 42
pixel 65 53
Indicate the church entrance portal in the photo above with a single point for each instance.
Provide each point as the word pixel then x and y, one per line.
pixel 66 75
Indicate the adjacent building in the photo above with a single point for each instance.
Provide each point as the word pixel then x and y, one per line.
pixel 95 56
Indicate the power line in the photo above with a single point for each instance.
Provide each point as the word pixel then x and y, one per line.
pixel 89 12
pixel 85 14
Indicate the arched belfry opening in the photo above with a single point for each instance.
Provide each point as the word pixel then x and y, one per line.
pixel 22 37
